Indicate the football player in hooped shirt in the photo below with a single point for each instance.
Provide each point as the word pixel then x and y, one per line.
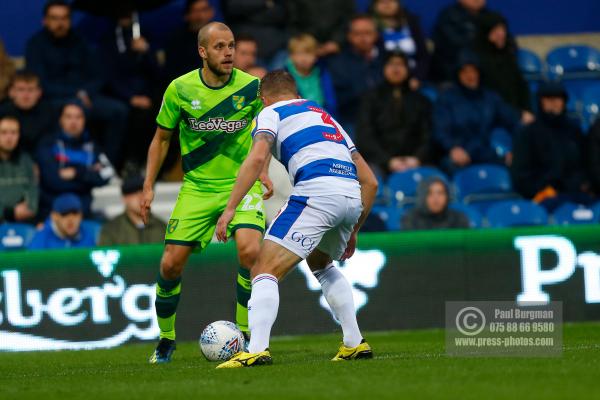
pixel 213 107
pixel 333 193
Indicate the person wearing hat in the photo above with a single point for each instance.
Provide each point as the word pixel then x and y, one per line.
pixel 64 229
pixel 128 228
pixel 465 116
pixel 394 123
pixel 549 155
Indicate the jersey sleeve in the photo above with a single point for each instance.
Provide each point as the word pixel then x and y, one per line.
pixel 266 122
pixel 170 110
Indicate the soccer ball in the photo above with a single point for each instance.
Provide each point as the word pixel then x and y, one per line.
pixel 221 340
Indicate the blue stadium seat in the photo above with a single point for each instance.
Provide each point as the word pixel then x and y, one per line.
pixel 475 218
pixel 574 214
pixel 381 196
pixel 530 64
pixel 15 236
pixel 591 105
pixel 573 61
pixel 596 209
pixel 516 213
pixel 501 141
pixel 94 226
pixel 483 184
pixel 403 185
pixel 390 215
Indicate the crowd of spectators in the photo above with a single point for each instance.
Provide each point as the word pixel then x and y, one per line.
pixel 79 113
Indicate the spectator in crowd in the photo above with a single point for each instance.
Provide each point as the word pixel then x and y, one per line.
pixel 132 71
pixel 64 228
pixel 393 129
pixel 431 210
pixel 549 154
pixel 356 69
pixel 455 29
pixel 68 68
pixel 7 71
pixel 128 228
pixel 500 71
pixel 265 21
pixel 312 78
pixel 326 20
pixel 36 115
pixel 246 50
pixel 71 162
pixel 181 51
pixel 400 30
pixel 465 116
pixel 594 156
pixel 19 192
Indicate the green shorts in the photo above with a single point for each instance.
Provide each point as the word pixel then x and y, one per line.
pixel 195 215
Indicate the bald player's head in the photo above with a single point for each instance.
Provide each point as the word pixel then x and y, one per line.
pixel 216 47
pixel 207 30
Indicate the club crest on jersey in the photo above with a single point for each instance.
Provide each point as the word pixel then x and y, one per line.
pixel 238 102
pixel 172 225
pixel 217 124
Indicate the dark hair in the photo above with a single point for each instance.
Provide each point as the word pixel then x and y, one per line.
pixel 278 82
pixel 25 75
pixel 190 3
pixel 388 55
pixel 53 3
pixel 245 37
pixel 360 16
pixel 72 102
pixel 400 17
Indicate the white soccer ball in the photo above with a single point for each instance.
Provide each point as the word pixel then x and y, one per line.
pixel 221 340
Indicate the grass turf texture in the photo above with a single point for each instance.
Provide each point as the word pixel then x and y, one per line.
pixel 407 364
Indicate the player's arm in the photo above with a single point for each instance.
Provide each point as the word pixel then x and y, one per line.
pixel 368 191
pixel 249 172
pixel 265 180
pixel 156 156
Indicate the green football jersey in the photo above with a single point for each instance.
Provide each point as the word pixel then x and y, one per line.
pixel 214 126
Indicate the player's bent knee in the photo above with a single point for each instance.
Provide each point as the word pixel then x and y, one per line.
pixel 172 262
pixel 318 260
pixel 248 254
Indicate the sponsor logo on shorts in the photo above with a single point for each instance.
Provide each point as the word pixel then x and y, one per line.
pixel 172 225
pixel 306 242
pixel 217 124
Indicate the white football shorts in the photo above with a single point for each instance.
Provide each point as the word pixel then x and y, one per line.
pixel 319 222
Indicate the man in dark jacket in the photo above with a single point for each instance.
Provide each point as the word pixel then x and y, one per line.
pixel 128 228
pixel 394 123
pixel 549 155
pixel 19 191
pixel 37 116
pixel 356 69
pixel 181 50
pixel 455 29
pixel 326 20
pixel 71 162
pixel 431 211
pixel 465 116
pixel 67 68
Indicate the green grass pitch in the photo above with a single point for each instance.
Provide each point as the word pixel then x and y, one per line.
pixel 407 365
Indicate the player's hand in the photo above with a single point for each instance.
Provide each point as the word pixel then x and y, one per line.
pixel 351 247
pixel 223 223
pixel 147 197
pixel 266 181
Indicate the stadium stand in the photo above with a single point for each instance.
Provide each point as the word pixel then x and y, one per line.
pixel 574 214
pixel 481 185
pixel 15 236
pixel 475 217
pixel 516 213
pixel 402 186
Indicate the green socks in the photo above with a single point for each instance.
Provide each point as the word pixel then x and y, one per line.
pixel 244 286
pixel 167 298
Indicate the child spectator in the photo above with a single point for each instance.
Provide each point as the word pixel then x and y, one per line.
pixel 394 123
pixel 312 78
pixel 400 30
pixel 128 228
pixel 64 229
pixel 19 191
pixel 431 211
pixel 71 162
pixel 37 116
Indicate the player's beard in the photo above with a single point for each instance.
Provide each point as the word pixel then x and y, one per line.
pixel 216 68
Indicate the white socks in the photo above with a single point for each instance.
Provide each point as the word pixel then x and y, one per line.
pixel 338 293
pixel 262 311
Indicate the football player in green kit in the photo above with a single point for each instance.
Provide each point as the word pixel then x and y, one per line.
pixel 214 107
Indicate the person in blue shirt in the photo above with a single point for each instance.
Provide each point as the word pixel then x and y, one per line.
pixel 64 229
